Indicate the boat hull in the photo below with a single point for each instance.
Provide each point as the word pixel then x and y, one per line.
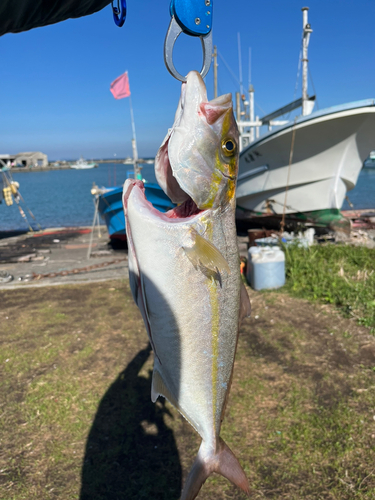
pixel 84 167
pixel 329 150
pixel 111 209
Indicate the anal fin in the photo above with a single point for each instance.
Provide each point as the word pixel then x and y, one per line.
pixel 159 388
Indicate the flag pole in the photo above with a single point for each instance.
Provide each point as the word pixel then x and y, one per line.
pixel 137 170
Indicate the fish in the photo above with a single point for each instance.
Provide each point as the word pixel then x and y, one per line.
pixel 184 273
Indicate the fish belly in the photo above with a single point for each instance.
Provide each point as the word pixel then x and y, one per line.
pixel 192 315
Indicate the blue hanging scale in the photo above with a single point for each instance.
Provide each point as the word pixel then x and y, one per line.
pixel 193 17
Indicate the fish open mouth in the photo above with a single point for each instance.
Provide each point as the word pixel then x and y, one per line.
pixel 183 211
pixel 187 209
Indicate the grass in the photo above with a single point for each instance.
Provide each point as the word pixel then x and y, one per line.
pixel 77 422
pixel 341 275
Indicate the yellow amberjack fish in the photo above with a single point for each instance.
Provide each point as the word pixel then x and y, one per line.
pixel 184 272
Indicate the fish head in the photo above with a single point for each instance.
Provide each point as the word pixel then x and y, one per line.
pixel 199 157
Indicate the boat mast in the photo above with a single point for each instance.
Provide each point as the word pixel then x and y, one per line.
pixel 215 71
pixel 240 64
pixel 251 100
pixel 137 170
pixel 251 110
pixel 305 45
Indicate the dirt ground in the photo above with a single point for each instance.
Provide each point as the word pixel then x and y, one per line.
pixel 76 419
pixel 58 256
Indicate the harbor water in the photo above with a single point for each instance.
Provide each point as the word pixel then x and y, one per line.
pixel 62 198
pixel 363 195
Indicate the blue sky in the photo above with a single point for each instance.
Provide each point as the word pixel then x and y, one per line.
pixel 55 80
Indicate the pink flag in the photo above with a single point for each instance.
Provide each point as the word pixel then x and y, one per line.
pixel 120 87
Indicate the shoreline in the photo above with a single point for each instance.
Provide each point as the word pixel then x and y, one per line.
pixel 58 256
pixel 65 255
pixel 123 161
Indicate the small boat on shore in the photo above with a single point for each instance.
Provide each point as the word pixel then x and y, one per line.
pixel 82 164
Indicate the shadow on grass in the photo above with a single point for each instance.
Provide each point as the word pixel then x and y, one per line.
pixel 130 452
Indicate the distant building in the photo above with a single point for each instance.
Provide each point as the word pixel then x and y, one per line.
pixel 7 160
pixel 32 159
pixel 27 160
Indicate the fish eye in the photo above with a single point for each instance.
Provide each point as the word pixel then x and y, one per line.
pixel 228 147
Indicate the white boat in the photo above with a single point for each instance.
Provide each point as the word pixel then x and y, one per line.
pixel 370 161
pixel 82 164
pixel 306 165
pixel 330 147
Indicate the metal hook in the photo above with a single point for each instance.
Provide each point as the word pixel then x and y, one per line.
pixel 119 15
pixel 173 33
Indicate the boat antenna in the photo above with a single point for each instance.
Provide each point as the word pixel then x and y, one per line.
pixel 215 71
pixel 251 101
pixel 249 66
pixel 240 63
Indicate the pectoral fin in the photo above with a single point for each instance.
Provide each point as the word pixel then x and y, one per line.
pixel 204 253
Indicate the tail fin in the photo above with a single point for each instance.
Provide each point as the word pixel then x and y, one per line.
pixel 222 461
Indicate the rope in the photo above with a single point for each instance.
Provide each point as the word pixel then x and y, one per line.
pixel 298 73
pixel 228 68
pixel 30 212
pixel 313 86
pixel 9 182
pixel 282 224
pixel 236 80
pixel 76 271
pixel 289 207
pixel 298 68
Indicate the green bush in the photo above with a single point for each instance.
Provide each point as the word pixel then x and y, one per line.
pixel 341 275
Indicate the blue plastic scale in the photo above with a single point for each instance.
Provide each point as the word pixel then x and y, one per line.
pixel 194 18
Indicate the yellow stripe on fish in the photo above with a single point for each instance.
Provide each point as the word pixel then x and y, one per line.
pixel 212 286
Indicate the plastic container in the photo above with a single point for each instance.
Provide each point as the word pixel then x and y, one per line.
pixel 265 268
pixel 304 240
pixel 270 241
